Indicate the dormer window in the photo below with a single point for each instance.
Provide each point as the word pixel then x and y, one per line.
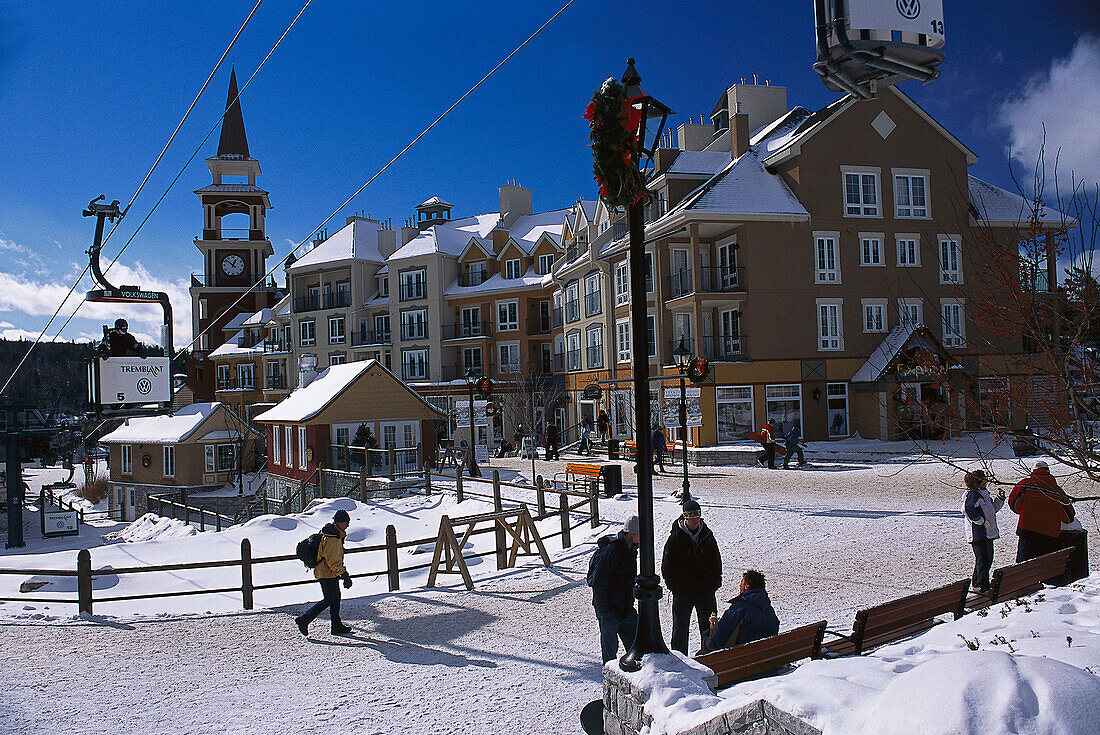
pixel 546 263
pixel 512 269
pixel 476 273
pixel 384 286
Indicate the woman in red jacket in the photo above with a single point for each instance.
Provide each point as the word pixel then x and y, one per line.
pixel 1043 507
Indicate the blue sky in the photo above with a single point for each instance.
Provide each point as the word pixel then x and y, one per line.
pixel 90 94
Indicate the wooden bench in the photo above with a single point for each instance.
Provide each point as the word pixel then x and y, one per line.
pixel 580 475
pixel 752 660
pixel 1019 580
pixel 630 448
pixel 898 619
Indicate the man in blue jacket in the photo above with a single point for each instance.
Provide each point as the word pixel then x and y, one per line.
pixel 611 576
pixel 749 618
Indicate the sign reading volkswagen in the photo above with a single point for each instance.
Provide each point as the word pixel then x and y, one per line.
pixel 139 380
pixel 913 16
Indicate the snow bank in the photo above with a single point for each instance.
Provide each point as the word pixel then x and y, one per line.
pixel 151 527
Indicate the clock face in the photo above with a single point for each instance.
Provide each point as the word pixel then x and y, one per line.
pixel 233 265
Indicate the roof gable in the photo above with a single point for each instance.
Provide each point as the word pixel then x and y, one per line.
pixel 170 429
pixel 899 347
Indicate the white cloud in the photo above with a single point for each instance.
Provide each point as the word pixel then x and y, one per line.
pixel 6 325
pixel 1066 100
pixel 18 334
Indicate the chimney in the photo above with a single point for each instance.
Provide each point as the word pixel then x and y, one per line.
pixel 307 369
pixel 739 134
pixel 515 202
pixel 694 137
pixel 387 242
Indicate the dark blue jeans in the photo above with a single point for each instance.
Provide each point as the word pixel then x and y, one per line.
pixel 793 447
pixel 614 628
pixel 682 607
pixel 330 591
pixel 983 560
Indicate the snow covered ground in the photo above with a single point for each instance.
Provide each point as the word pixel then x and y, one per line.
pixel 520 652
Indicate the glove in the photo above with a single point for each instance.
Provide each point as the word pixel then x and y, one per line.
pixel 347 580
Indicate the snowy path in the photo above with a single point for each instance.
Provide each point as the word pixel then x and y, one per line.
pixel 520 653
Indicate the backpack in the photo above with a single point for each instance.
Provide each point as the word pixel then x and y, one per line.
pixel 307 549
pixel 596 559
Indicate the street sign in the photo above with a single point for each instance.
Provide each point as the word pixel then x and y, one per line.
pixel 481 453
pixel 59 523
pixel 592 391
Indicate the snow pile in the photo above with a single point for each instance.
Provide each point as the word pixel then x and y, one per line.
pixel 151 527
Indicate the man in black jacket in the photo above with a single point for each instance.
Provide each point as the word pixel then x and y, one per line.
pixel 611 577
pixel 692 568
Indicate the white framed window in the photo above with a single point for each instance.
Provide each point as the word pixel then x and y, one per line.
pixel 783 405
pixel 337 358
pixel 546 263
pixel 414 364
pixel 573 350
pixel 223 376
pixel 210 457
pixel 592 300
pixel 508 352
pixel 507 316
pixel 276 445
pixel 382 327
pixel 622 284
pixel 246 375
pixel 203 309
pixel 954 322
pixel 471 359
pixel 302 448
pixel 950 260
pixel 594 340
pixel 470 317
pixel 289 446
pixel 622 338
pixel 735 413
pixel 861 191
pixel 908 249
pixel 910 312
pixel 826 257
pixel 874 315
pixel 336 335
pixel 383 286
pixel 414 324
pixel 127 463
pixel 649 273
pixel 411 284
pixel 870 249
pixel 512 269
pixel 829 326
pixel 288 338
pixel 910 193
pixel 307 335
pixel 227 457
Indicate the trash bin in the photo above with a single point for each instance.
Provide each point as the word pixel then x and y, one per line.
pixel 612 448
pixel 1078 567
pixel 612 479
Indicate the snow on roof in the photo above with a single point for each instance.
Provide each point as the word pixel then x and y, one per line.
pixel 260 318
pixel 744 187
pixel 884 354
pixel 357 240
pixel 162 429
pixel 699 162
pixel 305 403
pixel 787 129
pixel 282 308
pixel 433 202
pixel 497 282
pixel 527 230
pixel 449 238
pixel 994 204
pixel 230 188
pixel 230 348
pixel 237 321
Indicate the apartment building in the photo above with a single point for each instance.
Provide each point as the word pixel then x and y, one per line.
pixel 252 365
pixel 806 255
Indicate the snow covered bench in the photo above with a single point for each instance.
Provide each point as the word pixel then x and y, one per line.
pixel 898 619
pixel 1018 580
pixel 752 660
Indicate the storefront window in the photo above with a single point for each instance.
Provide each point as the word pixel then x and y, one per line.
pixel 734 412
pixel 783 405
pixel 837 397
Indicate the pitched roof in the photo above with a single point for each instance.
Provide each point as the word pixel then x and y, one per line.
pixel 162 429
pixel 432 203
pixel 892 344
pixel 356 240
pixel 231 189
pixel 699 162
pixel 994 204
pixel 744 186
pixel 527 231
pixel 449 238
pixel 497 282
pixel 233 141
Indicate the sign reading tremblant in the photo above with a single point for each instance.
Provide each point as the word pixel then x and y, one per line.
pixel 134 380
pixel 914 16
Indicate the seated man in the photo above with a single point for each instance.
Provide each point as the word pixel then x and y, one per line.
pixel 749 618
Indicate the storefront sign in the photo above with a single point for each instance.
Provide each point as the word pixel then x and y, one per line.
pixel 671 413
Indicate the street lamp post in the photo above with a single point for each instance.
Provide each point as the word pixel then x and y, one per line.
pixel 647 585
pixel 683 358
pixel 471 461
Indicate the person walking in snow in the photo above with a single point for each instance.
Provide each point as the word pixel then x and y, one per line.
pixel 750 616
pixel 330 571
pixel 603 424
pixel 793 438
pixel 767 437
pixel 553 439
pixel 1043 507
pixel 692 568
pixel 658 446
pixel 981 526
pixel 586 435
pixel 611 575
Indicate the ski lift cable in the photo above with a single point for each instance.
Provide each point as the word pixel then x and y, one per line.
pixel 198 148
pixel 117 222
pixel 460 100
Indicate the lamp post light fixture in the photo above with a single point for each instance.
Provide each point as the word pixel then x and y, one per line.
pixel 647 585
pixel 683 357
pixel 471 461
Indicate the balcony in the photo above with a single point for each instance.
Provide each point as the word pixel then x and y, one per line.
pixel 414 331
pixel 567 361
pixel 595 357
pixel 235 383
pixel 367 337
pixel 557 316
pixel 473 278
pixel 411 291
pixel 274 345
pixel 725 348
pixel 199 280
pixel 689 342
pixel 248 341
pixel 457 372
pixel 314 302
pixel 224 234
pixel 275 382
pixel 539 325
pixel 593 305
pixel 679 284
pixel 718 279
pixel 572 311
pixel 467 330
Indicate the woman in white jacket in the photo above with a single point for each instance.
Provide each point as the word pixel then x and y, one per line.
pixel 981 525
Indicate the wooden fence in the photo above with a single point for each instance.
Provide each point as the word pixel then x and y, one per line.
pixel 176 508
pixel 247 588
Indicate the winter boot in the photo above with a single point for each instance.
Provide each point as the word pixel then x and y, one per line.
pixel 303 626
pixel 340 629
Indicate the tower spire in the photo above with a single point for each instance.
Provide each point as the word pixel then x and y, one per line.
pixel 233 141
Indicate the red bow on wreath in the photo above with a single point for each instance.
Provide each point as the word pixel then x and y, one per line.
pixel 698 370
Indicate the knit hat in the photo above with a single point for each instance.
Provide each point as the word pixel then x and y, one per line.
pixel 632 525
pixel 1042 465
pixel 692 510
pixel 341 517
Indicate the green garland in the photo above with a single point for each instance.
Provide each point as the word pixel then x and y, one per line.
pixel 614 128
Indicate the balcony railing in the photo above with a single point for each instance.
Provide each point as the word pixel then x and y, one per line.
pixel 595 357
pixel 248 341
pixel 414 331
pixel 572 311
pixel 412 291
pixel 716 279
pixel 679 284
pixel 275 382
pixel 539 324
pixel 313 302
pixel 557 316
pixel 593 304
pixel 571 360
pixel 367 337
pixel 673 344
pixel 465 330
pixel 271 345
pixel 235 383
pixel 729 347
pixel 474 278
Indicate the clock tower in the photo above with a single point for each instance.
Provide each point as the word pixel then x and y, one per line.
pixel 234 243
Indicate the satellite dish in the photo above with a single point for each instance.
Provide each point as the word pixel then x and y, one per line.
pixel 865 44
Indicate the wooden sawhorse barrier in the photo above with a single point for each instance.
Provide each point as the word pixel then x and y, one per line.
pixel 448 558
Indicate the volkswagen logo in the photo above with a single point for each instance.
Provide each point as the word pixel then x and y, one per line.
pixel 909 8
pixel 144 386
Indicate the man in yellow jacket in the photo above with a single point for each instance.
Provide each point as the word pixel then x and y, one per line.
pixel 330 570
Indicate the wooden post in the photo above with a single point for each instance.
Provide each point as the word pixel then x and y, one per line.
pixel 427 480
pixel 392 570
pixel 563 505
pixel 594 504
pixel 498 528
pixel 202 519
pixel 246 573
pixel 218 522
pixel 540 493
pixel 187 515
pixel 84 581
pixel 391 455
pixel 458 483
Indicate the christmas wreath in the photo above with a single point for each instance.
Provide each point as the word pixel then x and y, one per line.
pixel 614 141
pixel 698 370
